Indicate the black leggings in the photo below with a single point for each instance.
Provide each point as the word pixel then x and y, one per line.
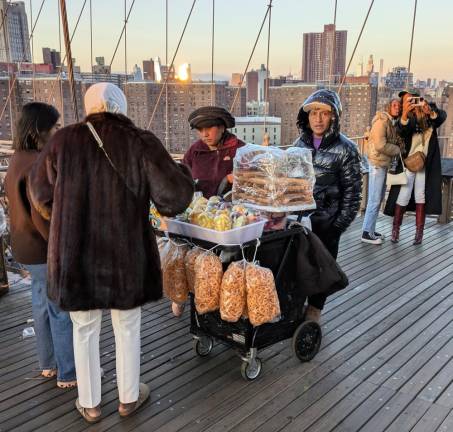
pixel 331 243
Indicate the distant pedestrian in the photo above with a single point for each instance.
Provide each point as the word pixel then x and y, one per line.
pixel 29 234
pixel 96 179
pixel 383 144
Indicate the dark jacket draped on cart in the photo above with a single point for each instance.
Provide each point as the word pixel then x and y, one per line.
pixel 433 169
pixel 102 250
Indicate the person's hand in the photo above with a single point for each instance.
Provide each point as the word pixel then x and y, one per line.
pixel 408 106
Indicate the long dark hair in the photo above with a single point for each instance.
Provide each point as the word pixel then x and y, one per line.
pixel 37 118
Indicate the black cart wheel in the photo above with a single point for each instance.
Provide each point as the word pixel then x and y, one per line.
pixel 203 345
pixel 251 370
pixel 307 340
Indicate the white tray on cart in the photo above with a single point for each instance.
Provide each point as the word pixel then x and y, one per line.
pixel 235 236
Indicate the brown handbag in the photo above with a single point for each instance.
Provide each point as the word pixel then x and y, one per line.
pixel 415 162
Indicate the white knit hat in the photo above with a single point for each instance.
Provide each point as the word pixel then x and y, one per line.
pixel 317 105
pixel 105 97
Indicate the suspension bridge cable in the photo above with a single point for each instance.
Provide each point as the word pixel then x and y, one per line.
pixel 91 36
pixel 412 41
pixel 67 42
pixel 171 65
pixel 8 98
pixel 122 32
pixel 125 45
pixel 212 55
pixel 61 63
pixel 266 84
pixel 167 126
pixel 250 59
pixel 355 48
pixel 334 43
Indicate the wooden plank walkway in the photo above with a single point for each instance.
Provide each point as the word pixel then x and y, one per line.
pixel 386 361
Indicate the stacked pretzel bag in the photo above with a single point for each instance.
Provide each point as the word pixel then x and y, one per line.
pixel 272 179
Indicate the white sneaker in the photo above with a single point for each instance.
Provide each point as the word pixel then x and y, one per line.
pixel 371 238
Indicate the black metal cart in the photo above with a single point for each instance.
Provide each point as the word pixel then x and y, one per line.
pixel 278 252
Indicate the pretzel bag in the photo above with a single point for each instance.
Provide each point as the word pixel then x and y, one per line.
pixel 208 280
pixel 262 299
pixel 232 292
pixel 189 263
pixel 174 278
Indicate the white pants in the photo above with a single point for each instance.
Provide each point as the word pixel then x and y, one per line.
pixel 415 181
pixel 86 331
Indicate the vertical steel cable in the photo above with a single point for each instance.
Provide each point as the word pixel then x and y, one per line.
pixel 91 38
pixel 212 55
pixel 167 130
pixel 412 41
pixel 64 18
pixel 266 84
pixel 125 46
pixel 60 82
pixel 355 48
pixel 332 54
pixel 32 52
pixel 250 59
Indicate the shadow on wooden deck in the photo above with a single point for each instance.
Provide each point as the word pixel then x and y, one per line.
pixel 386 362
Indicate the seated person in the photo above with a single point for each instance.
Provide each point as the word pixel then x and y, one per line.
pixel 211 157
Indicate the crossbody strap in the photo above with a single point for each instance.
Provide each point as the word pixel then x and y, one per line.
pixel 101 146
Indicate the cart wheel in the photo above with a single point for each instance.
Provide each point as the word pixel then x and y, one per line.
pixel 251 370
pixel 307 340
pixel 203 345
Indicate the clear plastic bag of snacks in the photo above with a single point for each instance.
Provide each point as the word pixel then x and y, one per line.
pixel 174 280
pixel 272 179
pixel 189 262
pixel 232 292
pixel 262 300
pixel 208 279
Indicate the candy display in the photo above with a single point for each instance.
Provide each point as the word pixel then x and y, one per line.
pixel 272 179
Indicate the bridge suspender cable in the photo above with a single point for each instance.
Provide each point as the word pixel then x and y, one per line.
pixel 266 83
pixel 332 54
pixel 250 58
pixel 67 42
pixel 171 66
pixel 355 48
pixel 412 41
pixel 212 55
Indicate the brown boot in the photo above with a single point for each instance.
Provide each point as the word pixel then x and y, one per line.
pixel 419 223
pixel 397 221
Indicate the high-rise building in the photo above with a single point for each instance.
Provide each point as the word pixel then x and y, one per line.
pixel 446 130
pixel 252 85
pixel 148 70
pixel 399 78
pixel 14 37
pixel 236 79
pixel 262 76
pixel 51 57
pixel 370 65
pixel 137 72
pixel 324 55
pixel 100 67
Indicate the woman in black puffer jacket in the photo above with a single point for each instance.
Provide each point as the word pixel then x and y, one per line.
pixel 338 186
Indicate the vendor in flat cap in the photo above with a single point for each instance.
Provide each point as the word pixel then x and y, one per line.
pixel 211 157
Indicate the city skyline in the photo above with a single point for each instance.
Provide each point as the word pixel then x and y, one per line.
pixel 290 19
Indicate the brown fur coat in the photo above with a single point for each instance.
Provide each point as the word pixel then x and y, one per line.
pixel 102 250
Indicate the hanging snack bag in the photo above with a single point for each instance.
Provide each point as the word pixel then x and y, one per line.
pixel 208 279
pixel 262 299
pixel 232 292
pixel 174 278
pixel 189 263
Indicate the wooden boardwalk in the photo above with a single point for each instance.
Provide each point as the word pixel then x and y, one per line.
pixel 386 361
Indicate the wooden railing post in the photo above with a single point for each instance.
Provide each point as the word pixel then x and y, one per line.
pixel 447 197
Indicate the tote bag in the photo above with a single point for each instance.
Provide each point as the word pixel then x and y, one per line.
pixel 399 179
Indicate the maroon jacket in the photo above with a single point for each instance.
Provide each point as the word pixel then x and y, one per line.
pixel 210 167
pixel 102 248
pixel 28 229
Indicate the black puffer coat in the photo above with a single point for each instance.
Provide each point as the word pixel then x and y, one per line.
pixel 337 168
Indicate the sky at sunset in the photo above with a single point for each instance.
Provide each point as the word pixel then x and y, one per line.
pixel 386 35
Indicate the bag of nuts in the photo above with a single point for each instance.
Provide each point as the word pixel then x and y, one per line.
pixel 189 263
pixel 232 292
pixel 208 279
pixel 174 278
pixel 262 299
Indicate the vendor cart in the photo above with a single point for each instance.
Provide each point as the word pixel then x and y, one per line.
pixel 277 251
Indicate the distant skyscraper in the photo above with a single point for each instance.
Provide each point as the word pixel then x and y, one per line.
pixel 370 65
pixel 148 70
pixel 252 85
pixel 137 72
pixel 324 54
pixel 236 79
pixel 100 67
pixel 262 75
pixel 399 78
pixel 51 57
pixel 15 32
